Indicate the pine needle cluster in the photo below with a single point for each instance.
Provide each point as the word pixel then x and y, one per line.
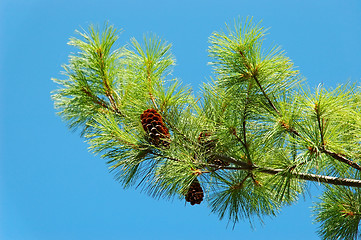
pixel 249 143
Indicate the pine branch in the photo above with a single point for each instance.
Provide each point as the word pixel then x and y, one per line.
pixel 108 90
pixel 244 123
pixel 265 95
pixel 303 176
pixel 272 171
pixel 320 128
pixel 261 83
pixel 95 99
pixel 150 87
pixel 254 76
pixel 332 154
pixel 295 132
pixel 341 158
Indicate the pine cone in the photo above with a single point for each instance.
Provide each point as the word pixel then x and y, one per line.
pixel 152 123
pixel 205 141
pixel 195 193
pixel 209 145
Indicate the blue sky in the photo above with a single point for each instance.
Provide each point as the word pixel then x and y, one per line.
pixel 51 187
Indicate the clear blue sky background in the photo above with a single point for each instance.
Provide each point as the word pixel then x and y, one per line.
pixel 51 187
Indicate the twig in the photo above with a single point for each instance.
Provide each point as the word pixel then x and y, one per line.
pixel 253 74
pixel 108 90
pixel 304 176
pixel 152 98
pixel 334 155
pixel 341 158
pixel 95 99
pixel 319 123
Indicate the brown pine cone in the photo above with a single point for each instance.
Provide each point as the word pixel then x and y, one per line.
pixel 152 123
pixel 195 193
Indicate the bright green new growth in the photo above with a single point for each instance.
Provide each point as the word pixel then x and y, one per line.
pixel 273 133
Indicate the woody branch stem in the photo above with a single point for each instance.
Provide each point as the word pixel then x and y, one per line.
pixel 304 176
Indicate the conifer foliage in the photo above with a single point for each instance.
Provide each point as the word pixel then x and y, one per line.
pixel 247 144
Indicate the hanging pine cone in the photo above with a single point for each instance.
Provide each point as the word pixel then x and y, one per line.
pixel 195 193
pixel 205 141
pixel 152 123
pixel 208 145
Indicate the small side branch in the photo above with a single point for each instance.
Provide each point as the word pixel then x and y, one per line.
pixel 95 99
pixel 107 88
pixel 152 98
pixel 320 126
pixel 291 130
pixel 341 158
pixel 265 95
pixel 244 122
pixel 253 73
pixel 334 155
